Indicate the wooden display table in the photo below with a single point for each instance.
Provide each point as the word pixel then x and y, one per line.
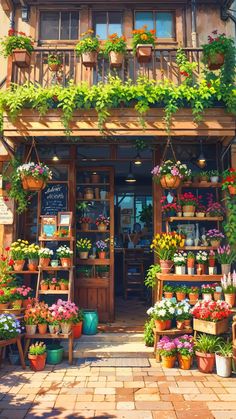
pixel 17 340
pixel 38 336
pixel 169 332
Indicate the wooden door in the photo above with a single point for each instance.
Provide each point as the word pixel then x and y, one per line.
pixel 94 282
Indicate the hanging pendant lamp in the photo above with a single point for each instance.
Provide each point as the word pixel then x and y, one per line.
pixel 130 177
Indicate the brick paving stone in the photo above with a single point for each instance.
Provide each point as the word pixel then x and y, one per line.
pixel 13 414
pixel 201 397
pixel 202 414
pixel 222 406
pixel 224 415
pixel 125 406
pixel 104 391
pixel 106 406
pixel 124 414
pixel 158 405
pixel 65 401
pixel 163 415
pixel 172 397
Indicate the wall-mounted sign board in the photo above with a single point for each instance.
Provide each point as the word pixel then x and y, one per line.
pixel 6 210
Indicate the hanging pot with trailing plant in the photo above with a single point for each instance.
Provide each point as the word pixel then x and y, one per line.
pixel 215 51
pixel 19 46
pixel 54 62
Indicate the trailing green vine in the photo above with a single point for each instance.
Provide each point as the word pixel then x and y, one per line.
pixel 14 187
pixel 230 223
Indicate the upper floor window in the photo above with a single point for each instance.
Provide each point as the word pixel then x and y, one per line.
pixel 162 22
pixel 59 25
pixel 107 23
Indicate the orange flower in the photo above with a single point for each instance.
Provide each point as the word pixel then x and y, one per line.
pixel 152 31
pixel 144 37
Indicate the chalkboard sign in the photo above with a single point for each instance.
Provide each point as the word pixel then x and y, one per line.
pixel 54 198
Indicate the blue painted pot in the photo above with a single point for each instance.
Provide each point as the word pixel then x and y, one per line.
pixel 90 322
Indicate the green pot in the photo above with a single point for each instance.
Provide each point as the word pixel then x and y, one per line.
pixel 54 354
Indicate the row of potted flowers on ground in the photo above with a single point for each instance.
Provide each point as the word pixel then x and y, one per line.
pixel 207 349
pixel 189 205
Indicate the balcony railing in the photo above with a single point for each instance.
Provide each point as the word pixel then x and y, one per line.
pixel 162 66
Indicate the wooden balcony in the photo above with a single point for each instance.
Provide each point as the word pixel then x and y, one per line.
pixel 162 66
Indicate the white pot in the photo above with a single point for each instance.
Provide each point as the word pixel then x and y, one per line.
pixel 223 365
pixel 188 214
pixel 212 270
pixel 189 242
pixel 179 214
pixel 206 297
pixel 214 179
pixel 180 270
pixel 54 328
pixel 190 271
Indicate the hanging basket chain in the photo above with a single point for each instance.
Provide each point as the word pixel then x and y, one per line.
pixel 32 147
pixel 168 144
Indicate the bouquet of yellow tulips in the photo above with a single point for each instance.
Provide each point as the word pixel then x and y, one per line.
pixel 165 245
pixel 84 245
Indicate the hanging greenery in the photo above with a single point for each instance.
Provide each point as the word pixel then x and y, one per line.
pixel 230 223
pixel 14 187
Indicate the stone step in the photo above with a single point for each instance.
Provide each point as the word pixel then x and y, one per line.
pixel 112 337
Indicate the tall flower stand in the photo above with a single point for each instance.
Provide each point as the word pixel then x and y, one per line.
pixel 17 341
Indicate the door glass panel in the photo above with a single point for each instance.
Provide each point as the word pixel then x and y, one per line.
pixel 144 18
pixel 164 25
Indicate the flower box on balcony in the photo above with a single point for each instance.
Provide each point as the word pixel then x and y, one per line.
pixel 89 58
pixel 21 58
pixel 144 52
pixel 116 59
pixel 213 328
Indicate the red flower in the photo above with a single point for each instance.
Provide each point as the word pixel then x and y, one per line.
pixel 5 199
pixel 7 249
pixel 215 32
pixel 1 292
pixel 11 262
pixel 11 32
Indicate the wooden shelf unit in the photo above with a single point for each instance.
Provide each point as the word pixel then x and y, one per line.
pixel 171 219
pixel 202 185
pixel 38 336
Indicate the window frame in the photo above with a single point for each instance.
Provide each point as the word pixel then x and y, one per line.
pixel 154 12
pixel 59 41
pixel 107 20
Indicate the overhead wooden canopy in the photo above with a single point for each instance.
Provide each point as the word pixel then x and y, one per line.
pixel 216 122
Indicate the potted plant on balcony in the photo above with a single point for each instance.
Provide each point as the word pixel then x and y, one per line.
pixel 115 47
pixel 180 259
pixel 205 348
pixel 229 181
pixel 162 312
pixel 225 256
pixel 19 46
pixel 83 246
pixel 54 62
pixel 228 283
pixel 170 174
pixel 143 42
pixel 214 236
pixel 34 176
pixel 224 356
pixel 164 246
pixel 88 48
pixel 37 356
pixel 64 253
pixel 214 52
pixel 168 351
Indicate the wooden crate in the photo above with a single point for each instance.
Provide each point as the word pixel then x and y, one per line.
pixel 210 327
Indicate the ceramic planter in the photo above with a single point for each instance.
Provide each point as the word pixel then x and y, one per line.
pixel 21 57
pixel 116 59
pixel 44 287
pixel 89 59
pixel 230 299
pixel 205 362
pixel 42 328
pixel 185 362
pixel 232 189
pixel 29 183
pixel 54 263
pixel 180 296
pixel 33 264
pixel 225 268
pixel 168 294
pixel 168 361
pixel 216 61
pixel 190 263
pixel 188 209
pixel 179 214
pixel 180 270
pixel 102 227
pixel 44 262
pixel 223 365
pixel 212 270
pixel 166 266
pixel 65 328
pixel 160 325
pixel 18 265
pixel 170 182
pixel 83 255
pixel 193 297
pixel 203 179
pixel 144 52
pixel 54 354
pixel 37 362
pixel 189 241
pixel 102 255
pixel 30 329
pixel 215 243
pixel 54 328
pixel 200 214
pixel 213 328
pixel 65 262
pixel 77 330
pixel 214 179
pixel 206 296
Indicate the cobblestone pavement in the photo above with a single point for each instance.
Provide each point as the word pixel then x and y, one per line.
pixel 140 393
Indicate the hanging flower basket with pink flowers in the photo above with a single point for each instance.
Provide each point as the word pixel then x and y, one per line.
pixel 169 174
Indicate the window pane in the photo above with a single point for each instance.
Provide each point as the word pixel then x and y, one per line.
pixel 65 25
pixel 115 23
pixel 49 25
pixel 144 18
pixel 164 25
pixel 74 25
pixel 100 24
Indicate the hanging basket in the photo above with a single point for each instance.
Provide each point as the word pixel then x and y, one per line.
pixel 216 62
pixel 170 182
pixel 116 59
pixel 29 183
pixel 144 53
pixel 89 59
pixel 21 57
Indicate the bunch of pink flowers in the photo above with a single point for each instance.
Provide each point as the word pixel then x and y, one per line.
pixel 24 291
pixel 64 311
pixel 166 347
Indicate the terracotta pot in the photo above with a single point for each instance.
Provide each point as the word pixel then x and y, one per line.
pixel 102 255
pixel 215 62
pixel 193 297
pixel 116 58
pixel 84 226
pixel 29 183
pixel 42 328
pixel 201 269
pixel 211 262
pixel 230 299
pixel 88 193
pixel 33 264
pixel 44 262
pixel 65 328
pixel 89 59
pixel 170 182
pixel 232 189
pixel 166 266
pixel 203 179
pixel 4 306
pixel 44 287
pixel 180 296
pixel 26 302
pixel 102 227
pixel 18 302
pixel 77 330
pixel 217 296
pixel 21 57
pixel 30 329
pixel 168 324
pixel 187 323
pixel 65 262
pixel 58 287
pixel 168 361
pixel 160 325
pixel 215 243
pixel 185 362
pixel 52 287
pixel 18 265
pixel 144 52
pixel 180 324
pixel 168 294
pixel 95 178
pixel 190 263
pixel 188 208
pixel 83 255
pixel 225 268
pixel 37 362
pixel 54 67
pixel 205 362
pixel 63 286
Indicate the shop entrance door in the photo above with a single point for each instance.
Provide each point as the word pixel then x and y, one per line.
pixel 94 282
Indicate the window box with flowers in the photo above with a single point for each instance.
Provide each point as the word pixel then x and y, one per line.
pixel 84 246
pixel 214 236
pixel 229 181
pixel 180 259
pixel 228 283
pixel 44 256
pixel 189 203
pixel 218 47
pixel 211 316
pixel 201 259
pixel 19 46
pixel 88 48
pixel 65 255
pixel 143 43
pixel 102 222
pixel 170 174
pixel 115 47
pixel 162 313
pixel 164 246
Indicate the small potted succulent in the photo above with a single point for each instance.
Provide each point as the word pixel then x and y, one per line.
pixel 168 291
pixel 143 43
pixel 168 351
pixel 206 346
pixel 44 256
pixel 34 176
pixel 214 176
pixel 201 259
pixel 54 62
pixel 180 259
pixel 185 351
pixel 190 263
pixel 64 253
pixel 102 248
pixel 19 46
pixel 84 223
pixel 224 356
pixel 229 181
pixel 87 48
pixel 170 174
pixel 37 356
pixel 102 222
pixel 18 251
pixel 225 256
pixel 214 236
pixel 214 52
pixel 84 246
pixel 115 47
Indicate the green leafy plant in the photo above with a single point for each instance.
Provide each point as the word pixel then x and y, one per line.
pixel 217 44
pixel 230 223
pixel 16 40
pixel 150 280
pixel 168 288
pixel 87 43
pixel 225 349
pixel 14 187
pixel 191 255
pixel 146 214
pixel 186 67
pixel 148 332
pixel 84 245
pixel 207 343
pixel 38 348
pixel 54 59
pixel 115 43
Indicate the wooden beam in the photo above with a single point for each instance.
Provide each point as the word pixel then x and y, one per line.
pixel 7 5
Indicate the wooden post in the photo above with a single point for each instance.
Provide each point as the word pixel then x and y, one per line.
pixel 157 215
